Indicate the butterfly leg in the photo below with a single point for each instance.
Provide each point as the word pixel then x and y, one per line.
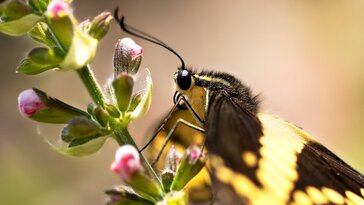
pixel 171 132
pixel 175 106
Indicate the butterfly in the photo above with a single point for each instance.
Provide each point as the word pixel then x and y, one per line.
pixel 254 157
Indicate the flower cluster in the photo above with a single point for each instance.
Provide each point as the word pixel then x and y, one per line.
pixel 179 170
pixel 68 45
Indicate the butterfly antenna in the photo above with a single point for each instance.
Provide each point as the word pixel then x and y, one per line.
pixel 140 34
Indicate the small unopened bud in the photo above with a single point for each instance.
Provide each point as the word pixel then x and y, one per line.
pixel 37 105
pixel 29 103
pixel 58 8
pixel 127 56
pixel 112 110
pixel 167 179
pixel 123 88
pixel 173 159
pixel 91 107
pixel 128 166
pixel 194 155
pixel 127 162
pixel 100 25
pixel 191 164
pixel 101 115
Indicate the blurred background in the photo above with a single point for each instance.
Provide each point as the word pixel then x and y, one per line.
pixel 305 58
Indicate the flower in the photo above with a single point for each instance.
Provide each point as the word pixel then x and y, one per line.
pixel 193 160
pixel 127 56
pixel 173 159
pixel 127 162
pixel 131 47
pixel 37 105
pixel 29 103
pixel 195 155
pixel 58 8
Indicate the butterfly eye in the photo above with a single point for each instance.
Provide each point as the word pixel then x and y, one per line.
pixel 184 79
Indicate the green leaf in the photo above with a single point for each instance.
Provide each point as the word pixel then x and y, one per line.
pixel 146 187
pixel 44 55
pixel 20 26
pixel 41 33
pixel 146 100
pixel 38 61
pixel 81 52
pixel 81 141
pixel 13 10
pixel 80 128
pixel 63 29
pixel 126 195
pixel 55 111
pixel 28 67
pixel 91 147
pixel 39 5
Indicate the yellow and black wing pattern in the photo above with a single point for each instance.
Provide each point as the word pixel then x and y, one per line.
pixel 261 159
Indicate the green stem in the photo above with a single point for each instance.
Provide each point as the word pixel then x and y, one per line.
pixel 91 84
pixel 122 136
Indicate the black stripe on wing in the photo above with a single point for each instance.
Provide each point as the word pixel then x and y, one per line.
pixel 231 131
pixel 319 167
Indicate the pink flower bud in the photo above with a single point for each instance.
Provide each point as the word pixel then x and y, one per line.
pixel 192 162
pixel 58 8
pixel 131 47
pixel 29 102
pixel 195 154
pixel 127 56
pixel 127 162
pixel 173 159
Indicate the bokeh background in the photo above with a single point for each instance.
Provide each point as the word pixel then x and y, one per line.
pixel 305 58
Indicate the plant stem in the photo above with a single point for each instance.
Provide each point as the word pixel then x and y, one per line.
pixel 91 84
pixel 122 136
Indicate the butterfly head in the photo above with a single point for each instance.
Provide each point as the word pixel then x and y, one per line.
pixel 184 80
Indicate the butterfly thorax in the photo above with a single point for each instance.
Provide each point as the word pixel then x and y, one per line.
pixel 234 88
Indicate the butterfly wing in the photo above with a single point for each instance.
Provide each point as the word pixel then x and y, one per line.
pixel 231 132
pixel 280 164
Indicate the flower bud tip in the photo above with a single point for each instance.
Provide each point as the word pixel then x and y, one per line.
pixel 58 8
pixel 127 56
pixel 195 154
pixel 127 162
pixel 134 49
pixel 29 102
